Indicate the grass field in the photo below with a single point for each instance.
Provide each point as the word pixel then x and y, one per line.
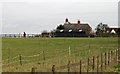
pixel 56 51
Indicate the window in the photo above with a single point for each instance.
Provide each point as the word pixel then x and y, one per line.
pixel 80 30
pixel 113 31
pixel 61 30
pixel 70 30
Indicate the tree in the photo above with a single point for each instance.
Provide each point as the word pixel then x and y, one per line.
pixel 101 28
pixel 52 33
pixel 60 27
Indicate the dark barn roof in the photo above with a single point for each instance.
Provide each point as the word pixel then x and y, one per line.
pixel 74 29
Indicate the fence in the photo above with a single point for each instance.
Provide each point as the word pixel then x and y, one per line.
pixel 19 35
pixel 99 63
pixel 19 59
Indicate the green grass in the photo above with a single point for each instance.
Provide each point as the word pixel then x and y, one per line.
pixel 56 50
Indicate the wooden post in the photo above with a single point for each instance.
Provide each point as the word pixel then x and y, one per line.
pixel 68 67
pixel 116 56
pixel 88 66
pixel 93 63
pixel 108 58
pixel 43 57
pixel 105 60
pixel 101 62
pixel 97 63
pixel 33 70
pixel 39 57
pixel 111 56
pixel 20 60
pixel 53 69
pixel 80 66
pixel 8 59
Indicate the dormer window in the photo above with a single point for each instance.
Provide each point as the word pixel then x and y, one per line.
pixel 61 30
pixel 70 30
pixel 80 30
pixel 113 31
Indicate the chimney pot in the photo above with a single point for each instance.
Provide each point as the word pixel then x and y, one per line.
pixel 78 21
pixel 66 20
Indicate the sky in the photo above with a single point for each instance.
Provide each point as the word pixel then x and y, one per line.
pixel 35 16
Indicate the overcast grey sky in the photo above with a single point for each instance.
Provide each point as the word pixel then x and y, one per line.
pixel 34 17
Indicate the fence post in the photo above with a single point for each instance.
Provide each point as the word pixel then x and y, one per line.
pixel 33 70
pixel 93 63
pixel 8 59
pixel 39 57
pixel 43 57
pixel 88 66
pixel 80 66
pixel 105 60
pixel 53 69
pixel 108 58
pixel 101 62
pixel 111 56
pixel 20 60
pixel 116 56
pixel 97 63
pixel 68 67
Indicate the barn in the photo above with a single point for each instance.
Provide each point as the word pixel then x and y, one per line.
pixel 74 29
pixel 112 32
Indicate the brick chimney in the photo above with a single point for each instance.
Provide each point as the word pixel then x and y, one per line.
pixel 78 21
pixel 66 20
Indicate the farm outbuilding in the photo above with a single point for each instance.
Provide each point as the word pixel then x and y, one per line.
pixel 112 32
pixel 74 30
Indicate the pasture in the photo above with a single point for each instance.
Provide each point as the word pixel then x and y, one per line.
pixel 51 51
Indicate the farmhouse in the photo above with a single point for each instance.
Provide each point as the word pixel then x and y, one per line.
pixel 74 29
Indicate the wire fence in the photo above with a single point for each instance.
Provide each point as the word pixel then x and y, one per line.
pixel 20 35
pixel 98 63
pixel 19 59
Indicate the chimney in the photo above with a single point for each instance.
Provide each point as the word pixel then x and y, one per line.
pixel 78 21
pixel 66 20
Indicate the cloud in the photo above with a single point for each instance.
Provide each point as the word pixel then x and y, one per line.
pixel 36 17
pixel 59 1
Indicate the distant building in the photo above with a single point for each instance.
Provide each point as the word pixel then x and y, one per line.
pixel 113 31
pixel 45 34
pixel 74 30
